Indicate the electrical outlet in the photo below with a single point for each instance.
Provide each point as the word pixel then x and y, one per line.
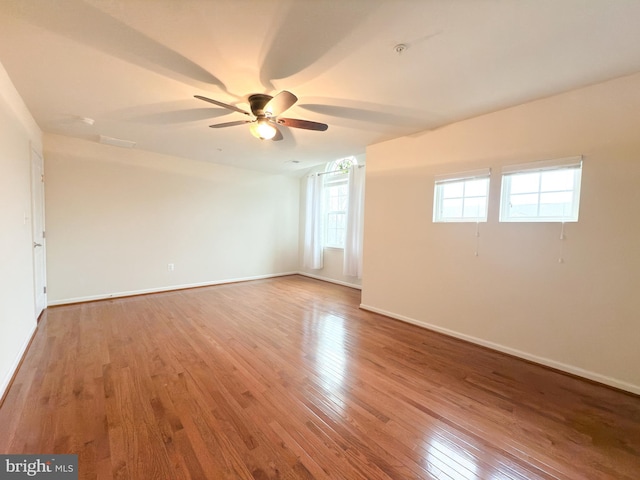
pixel 170 267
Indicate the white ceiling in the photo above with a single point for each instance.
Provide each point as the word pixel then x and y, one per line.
pixel 134 65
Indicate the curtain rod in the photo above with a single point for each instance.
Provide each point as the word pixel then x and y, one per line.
pixel 336 171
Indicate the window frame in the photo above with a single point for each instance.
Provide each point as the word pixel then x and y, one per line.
pixel 461 177
pixel 542 167
pixel 337 180
pixel 336 174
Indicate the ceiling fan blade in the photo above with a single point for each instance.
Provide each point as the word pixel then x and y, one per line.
pixel 278 104
pixel 220 104
pixel 230 124
pixel 306 124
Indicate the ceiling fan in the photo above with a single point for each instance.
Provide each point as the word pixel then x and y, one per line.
pixel 266 109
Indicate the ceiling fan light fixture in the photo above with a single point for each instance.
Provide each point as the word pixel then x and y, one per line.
pixel 263 130
pixel 266 110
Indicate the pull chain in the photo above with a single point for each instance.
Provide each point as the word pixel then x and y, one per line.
pixel 562 238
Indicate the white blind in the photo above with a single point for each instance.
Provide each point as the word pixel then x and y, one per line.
pixel 468 175
pixel 567 162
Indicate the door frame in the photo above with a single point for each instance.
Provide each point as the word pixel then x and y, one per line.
pixel 38 235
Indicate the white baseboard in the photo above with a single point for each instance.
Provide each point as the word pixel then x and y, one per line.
pixel 89 298
pixel 596 377
pixel 6 381
pixel 331 280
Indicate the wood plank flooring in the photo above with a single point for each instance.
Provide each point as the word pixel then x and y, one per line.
pixel 287 378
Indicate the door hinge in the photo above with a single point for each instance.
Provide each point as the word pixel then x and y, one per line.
pixel 44 234
pixel 45 289
pixel 42 178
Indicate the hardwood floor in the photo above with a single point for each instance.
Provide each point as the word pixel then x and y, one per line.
pixel 287 378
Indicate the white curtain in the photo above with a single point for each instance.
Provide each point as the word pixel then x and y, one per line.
pixel 355 223
pixel 312 257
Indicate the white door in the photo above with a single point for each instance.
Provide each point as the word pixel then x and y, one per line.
pixel 37 215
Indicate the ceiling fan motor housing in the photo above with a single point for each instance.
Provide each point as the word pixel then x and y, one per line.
pixel 257 102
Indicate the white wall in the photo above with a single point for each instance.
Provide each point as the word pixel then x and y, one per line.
pixel 117 217
pixel 582 315
pixel 18 132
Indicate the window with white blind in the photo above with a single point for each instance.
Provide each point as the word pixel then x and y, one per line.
pixel 547 191
pixel 461 197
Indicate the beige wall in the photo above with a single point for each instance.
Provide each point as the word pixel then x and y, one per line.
pixel 582 315
pixel 18 134
pixel 116 218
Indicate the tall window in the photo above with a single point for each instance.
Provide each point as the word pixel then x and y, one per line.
pixel 541 192
pixel 336 201
pixel 461 197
